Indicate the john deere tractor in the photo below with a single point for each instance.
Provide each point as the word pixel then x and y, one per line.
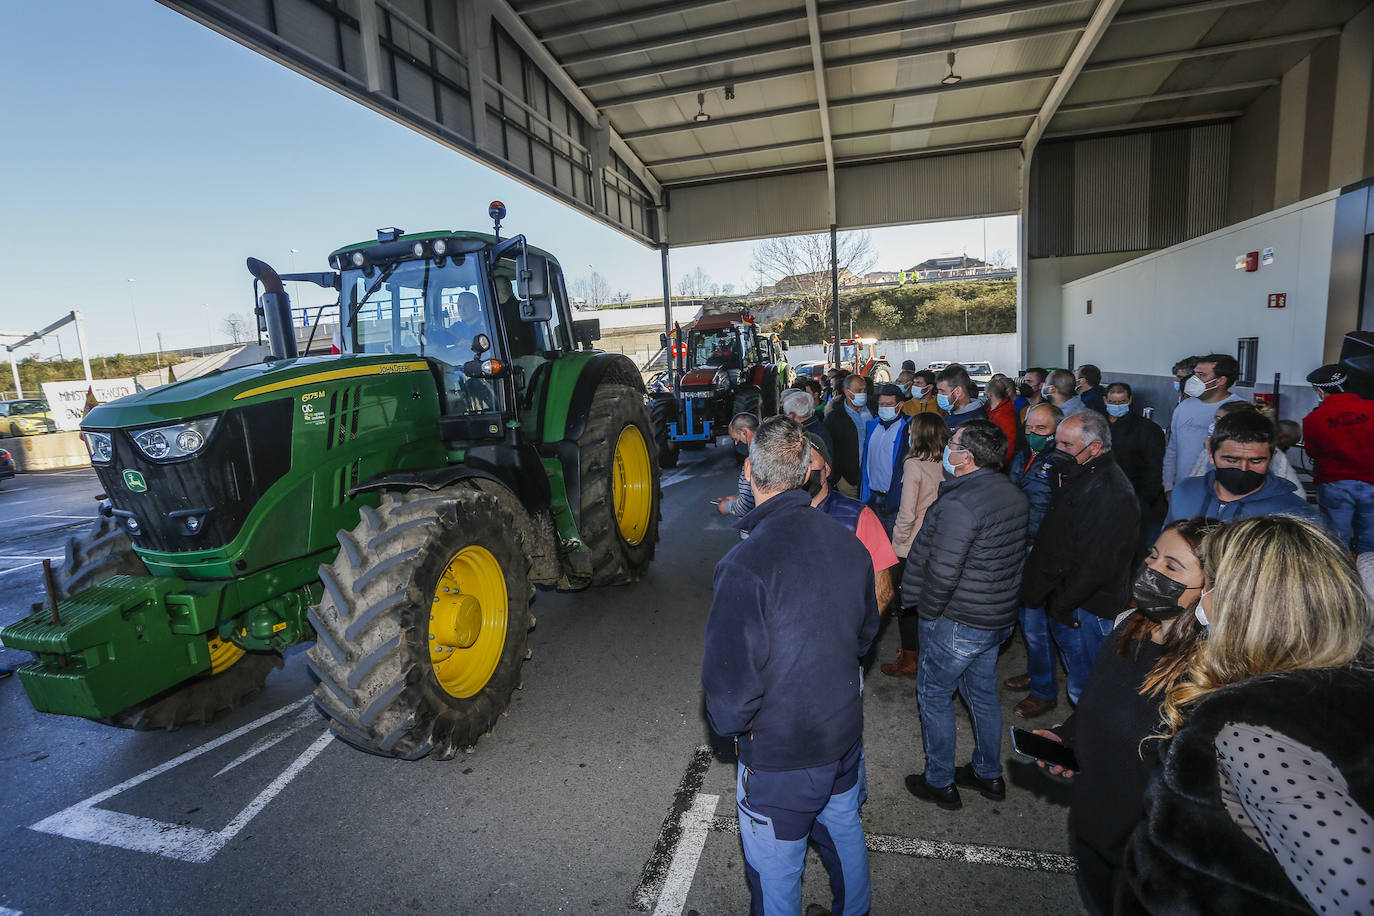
pixel 395 504
pixel 723 366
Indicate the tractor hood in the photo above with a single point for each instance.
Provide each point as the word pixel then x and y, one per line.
pixel 700 378
pixel 244 385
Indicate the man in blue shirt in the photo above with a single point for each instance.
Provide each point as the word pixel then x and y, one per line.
pixel 781 675
pixel 1240 485
pixel 884 451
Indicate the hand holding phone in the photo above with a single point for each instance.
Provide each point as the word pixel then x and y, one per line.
pixel 1046 749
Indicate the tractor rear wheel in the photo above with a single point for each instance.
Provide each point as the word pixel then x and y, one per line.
pixel 422 629
pixel 660 416
pixel 620 492
pixel 106 550
pixel 772 394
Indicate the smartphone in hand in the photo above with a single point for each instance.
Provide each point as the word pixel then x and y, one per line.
pixel 1038 747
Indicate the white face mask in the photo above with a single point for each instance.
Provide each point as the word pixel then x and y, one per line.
pixel 1199 613
pixel 919 391
pixel 1194 387
pixel 1045 391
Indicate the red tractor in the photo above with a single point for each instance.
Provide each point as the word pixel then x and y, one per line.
pixel 860 355
pixel 721 365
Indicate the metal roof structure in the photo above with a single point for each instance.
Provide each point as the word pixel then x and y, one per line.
pixel 695 121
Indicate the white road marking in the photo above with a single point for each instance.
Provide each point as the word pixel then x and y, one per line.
pixel 675 480
pixel 5 911
pixel 696 823
pixel 262 744
pixel 28 557
pixel 85 821
pixel 6 572
pixel 973 853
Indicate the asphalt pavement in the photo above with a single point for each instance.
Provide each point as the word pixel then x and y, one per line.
pixel 600 792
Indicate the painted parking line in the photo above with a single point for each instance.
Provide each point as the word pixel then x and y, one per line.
pixel 668 873
pixel 5 911
pixel 85 821
pixel 675 479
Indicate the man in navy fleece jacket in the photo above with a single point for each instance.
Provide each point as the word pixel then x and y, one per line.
pixel 793 612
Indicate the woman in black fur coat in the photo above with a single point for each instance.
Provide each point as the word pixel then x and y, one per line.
pixel 1263 802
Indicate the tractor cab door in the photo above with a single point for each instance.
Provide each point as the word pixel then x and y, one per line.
pixel 531 345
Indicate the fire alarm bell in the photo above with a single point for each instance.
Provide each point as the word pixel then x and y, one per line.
pixel 1251 261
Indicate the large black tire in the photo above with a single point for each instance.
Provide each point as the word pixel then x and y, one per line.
pixel 616 560
pixel 662 410
pixel 105 550
pixel 880 374
pixel 101 551
pixel 378 686
pixel 772 395
pixel 748 400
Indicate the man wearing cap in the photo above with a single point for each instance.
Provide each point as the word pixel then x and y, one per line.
pixel 880 487
pixel 1339 436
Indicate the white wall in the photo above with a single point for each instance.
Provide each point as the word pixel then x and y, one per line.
pixel 1002 350
pixel 1189 299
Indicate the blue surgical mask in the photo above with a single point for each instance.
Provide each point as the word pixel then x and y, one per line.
pixel 906 391
pixel 1118 410
pixel 943 401
pixel 860 399
pixel 944 460
pixel 887 413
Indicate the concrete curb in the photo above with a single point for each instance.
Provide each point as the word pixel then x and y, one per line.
pixel 48 452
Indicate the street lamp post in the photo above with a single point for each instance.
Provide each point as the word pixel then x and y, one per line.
pixel 138 338
pixel 296 288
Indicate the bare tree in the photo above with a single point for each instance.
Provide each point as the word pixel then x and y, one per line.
pixel 235 327
pixel 594 289
pixel 805 259
pixel 1000 258
pixel 701 282
pixel 728 289
pixel 621 297
pixel 684 286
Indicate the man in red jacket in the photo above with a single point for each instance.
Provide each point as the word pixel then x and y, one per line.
pixel 1339 437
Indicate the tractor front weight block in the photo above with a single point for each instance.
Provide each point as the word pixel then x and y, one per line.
pixel 112 647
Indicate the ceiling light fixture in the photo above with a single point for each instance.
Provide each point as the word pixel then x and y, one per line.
pixel 951 77
pixel 701 114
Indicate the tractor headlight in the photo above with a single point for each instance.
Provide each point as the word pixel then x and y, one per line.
pixel 170 442
pixel 440 247
pixel 358 258
pixel 101 447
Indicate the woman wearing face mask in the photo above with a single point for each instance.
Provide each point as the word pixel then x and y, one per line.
pixel 922 473
pixel 1263 802
pixel 1145 656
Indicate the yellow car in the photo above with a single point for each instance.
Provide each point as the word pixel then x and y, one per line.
pixel 25 418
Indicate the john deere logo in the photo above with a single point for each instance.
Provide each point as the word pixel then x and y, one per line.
pixel 135 482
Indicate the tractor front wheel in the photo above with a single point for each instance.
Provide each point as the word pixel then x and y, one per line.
pixel 422 629
pixel 620 491
pixel 661 411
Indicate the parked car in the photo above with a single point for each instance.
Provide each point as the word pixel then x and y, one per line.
pixel 978 370
pixel 28 417
pixel 6 465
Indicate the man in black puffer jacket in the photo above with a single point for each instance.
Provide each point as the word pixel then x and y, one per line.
pixel 1080 566
pixel 963 576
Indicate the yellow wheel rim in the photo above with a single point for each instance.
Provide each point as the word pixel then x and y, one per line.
pixel 467 623
pixel 632 485
pixel 223 654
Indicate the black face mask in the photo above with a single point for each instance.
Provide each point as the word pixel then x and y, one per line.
pixel 1156 595
pixel 1064 463
pixel 1026 391
pixel 814 482
pixel 1238 481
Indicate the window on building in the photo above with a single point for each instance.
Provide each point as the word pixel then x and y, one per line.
pixel 1247 354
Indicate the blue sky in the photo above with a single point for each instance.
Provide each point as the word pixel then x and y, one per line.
pixel 142 145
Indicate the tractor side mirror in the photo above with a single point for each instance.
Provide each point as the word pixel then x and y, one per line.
pixel 532 273
pixel 663 340
pixel 783 344
pixel 585 331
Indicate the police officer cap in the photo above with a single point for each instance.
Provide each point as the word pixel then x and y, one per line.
pixel 1330 377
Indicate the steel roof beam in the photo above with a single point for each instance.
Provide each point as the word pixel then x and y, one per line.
pixel 1145 125
pixel 1087 43
pixel 1168 96
pixel 645 45
pixel 844 102
pixel 941 47
pixel 813 23
pixel 1253 44
pixel 630 17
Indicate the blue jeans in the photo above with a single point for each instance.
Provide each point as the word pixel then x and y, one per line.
pixel 1040 662
pixel 958 656
pixel 780 809
pixel 1079 646
pixel 1350 506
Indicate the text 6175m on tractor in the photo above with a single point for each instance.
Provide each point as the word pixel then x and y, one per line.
pixel 395 503
pixel 721 367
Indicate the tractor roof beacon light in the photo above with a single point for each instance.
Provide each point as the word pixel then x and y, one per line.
pixel 497 211
pixel 701 114
pixel 389 234
pixel 951 77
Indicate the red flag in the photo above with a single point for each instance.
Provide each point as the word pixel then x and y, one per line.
pixel 90 401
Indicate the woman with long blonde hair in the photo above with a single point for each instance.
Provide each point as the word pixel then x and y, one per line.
pixel 1263 802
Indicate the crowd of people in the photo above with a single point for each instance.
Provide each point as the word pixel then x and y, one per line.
pixel 1211 623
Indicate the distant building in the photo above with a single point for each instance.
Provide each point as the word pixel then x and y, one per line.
pixel 879 276
pixel 953 267
pixel 801 283
pixel 953 262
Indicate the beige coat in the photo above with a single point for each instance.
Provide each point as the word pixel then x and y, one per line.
pixel 920 484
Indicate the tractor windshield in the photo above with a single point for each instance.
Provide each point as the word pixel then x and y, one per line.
pixel 718 347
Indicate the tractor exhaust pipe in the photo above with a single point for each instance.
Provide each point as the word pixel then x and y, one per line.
pixel 276 308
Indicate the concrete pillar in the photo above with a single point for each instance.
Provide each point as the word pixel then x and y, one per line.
pixel 1354 101
pixel 835 291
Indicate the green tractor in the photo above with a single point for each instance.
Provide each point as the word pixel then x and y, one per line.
pixel 395 503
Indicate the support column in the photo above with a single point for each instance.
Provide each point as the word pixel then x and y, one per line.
pixel 835 289
pixel 81 346
pixel 601 160
pixel 14 367
pixel 372 45
pixel 476 34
